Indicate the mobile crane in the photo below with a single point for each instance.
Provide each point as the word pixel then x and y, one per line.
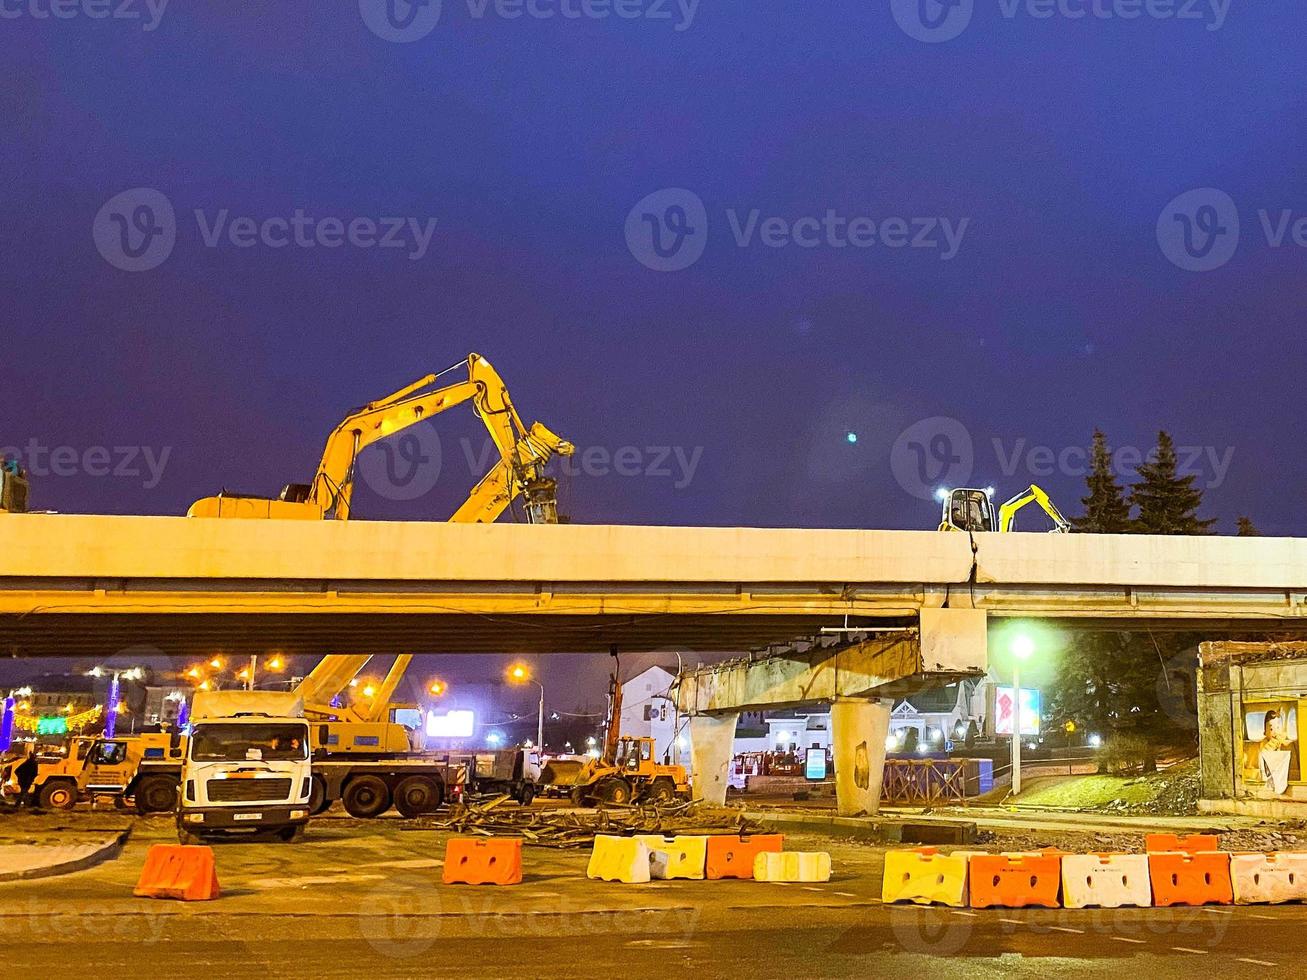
pixel 524 452
pixel 972 510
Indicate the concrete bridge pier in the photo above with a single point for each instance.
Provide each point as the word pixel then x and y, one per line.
pixel 712 738
pixel 859 727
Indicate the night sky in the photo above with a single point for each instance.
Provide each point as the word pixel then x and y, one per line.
pixel 785 376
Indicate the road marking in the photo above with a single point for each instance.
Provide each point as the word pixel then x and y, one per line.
pixel 812 888
pixel 1127 939
pixel 845 894
pixel 1078 932
pixel 1247 959
pixel 1012 922
pixel 1269 918
pixel 1186 949
pixel 969 915
pixel 1208 908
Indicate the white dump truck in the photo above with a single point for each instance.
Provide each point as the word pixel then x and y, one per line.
pixel 247 767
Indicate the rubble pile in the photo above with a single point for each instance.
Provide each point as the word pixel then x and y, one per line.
pixel 567 827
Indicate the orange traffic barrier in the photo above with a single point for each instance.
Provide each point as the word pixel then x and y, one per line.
pixel 483 862
pixel 1191 879
pixel 1193 844
pixel 732 857
pixel 1015 881
pixel 174 871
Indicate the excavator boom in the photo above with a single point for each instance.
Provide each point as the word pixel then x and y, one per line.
pixel 523 453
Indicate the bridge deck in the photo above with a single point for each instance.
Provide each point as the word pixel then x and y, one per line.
pixel 89 584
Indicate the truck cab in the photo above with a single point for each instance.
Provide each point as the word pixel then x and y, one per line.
pixel 246 772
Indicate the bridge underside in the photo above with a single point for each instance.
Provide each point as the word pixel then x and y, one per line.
pixel 381 633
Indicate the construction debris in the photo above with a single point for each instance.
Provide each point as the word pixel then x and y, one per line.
pixel 564 828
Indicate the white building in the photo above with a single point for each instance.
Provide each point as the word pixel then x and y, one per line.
pixel 648 711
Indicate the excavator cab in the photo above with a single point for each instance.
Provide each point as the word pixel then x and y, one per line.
pixel 971 510
pixel 967 509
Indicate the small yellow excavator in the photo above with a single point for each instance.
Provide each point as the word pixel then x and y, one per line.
pixel 523 455
pixel 972 510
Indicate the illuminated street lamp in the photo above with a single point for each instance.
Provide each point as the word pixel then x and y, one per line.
pixel 437 689
pixel 1023 648
pixel 518 674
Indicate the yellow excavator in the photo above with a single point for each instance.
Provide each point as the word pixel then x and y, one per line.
pixel 969 509
pixel 524 452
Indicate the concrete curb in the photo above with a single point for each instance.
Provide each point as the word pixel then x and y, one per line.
pixel 106 852
pixel 895 830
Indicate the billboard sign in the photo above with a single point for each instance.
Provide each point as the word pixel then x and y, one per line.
pixel 1004 705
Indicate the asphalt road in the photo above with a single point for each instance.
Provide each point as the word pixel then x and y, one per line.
pixel 364 898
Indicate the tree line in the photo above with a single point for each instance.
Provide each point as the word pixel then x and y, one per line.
pixel 1137 690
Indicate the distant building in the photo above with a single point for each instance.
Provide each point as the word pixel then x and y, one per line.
pixel 648 711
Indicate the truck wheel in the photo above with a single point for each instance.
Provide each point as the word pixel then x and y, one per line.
pixel 186 838
pixel 418 795
pixel 291 835
pixel 662 791
pixel 318 802
pixel 366 797
pixel 58 794
pixel 616 790
pixel 527 794
pixel 156 794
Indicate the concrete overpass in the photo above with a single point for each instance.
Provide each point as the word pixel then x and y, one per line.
pixel 92 585
pixel 88 585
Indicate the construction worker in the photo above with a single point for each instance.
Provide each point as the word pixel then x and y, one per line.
pixel 25 774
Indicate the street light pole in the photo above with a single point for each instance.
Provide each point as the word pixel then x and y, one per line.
pixel 540 721
pixel 1022 648
pixel 1016 727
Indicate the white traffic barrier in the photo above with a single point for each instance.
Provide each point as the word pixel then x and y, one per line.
pixel 792 866
pixel 676 857
pixel 623 859
pixel 1108 881
pixel 1268 879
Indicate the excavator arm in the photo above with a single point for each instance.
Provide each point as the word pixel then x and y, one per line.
pixel 523 454
pixel 1032 494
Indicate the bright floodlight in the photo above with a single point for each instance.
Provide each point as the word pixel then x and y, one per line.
pixel 941 493
pixel 1023 647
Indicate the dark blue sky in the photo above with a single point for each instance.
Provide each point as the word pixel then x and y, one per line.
pixel 529 140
